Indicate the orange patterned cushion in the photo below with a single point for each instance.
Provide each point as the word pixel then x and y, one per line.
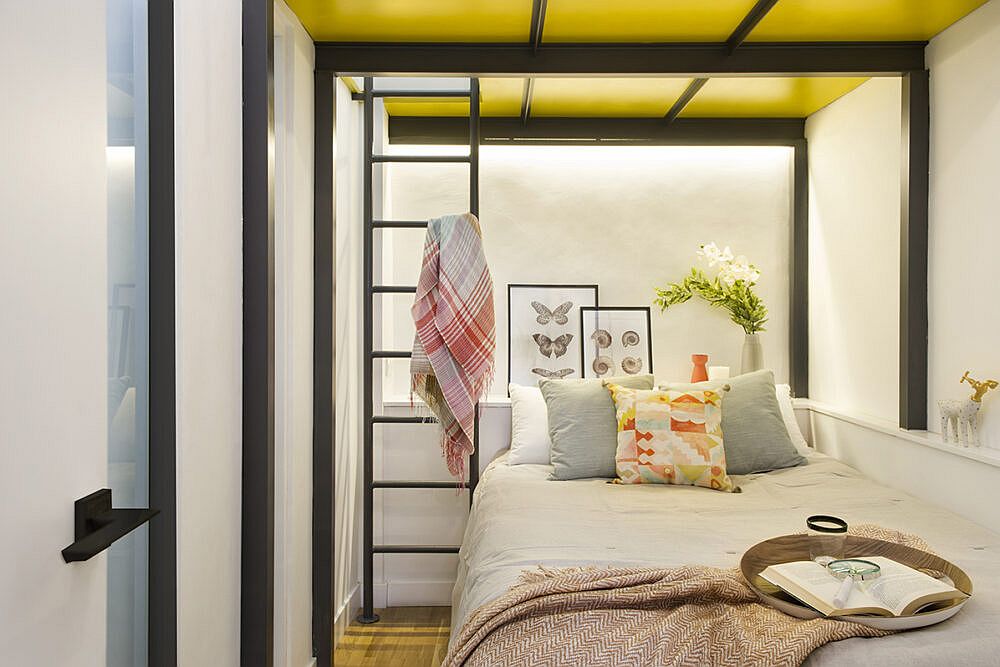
pixel 670 437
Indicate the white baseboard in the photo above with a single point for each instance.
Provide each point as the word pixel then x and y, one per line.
pixel 413 593
pixel 311 663
pixel 347 611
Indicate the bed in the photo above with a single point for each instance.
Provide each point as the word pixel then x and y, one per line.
pixel 520 520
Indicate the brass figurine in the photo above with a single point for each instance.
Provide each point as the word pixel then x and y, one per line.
pixel 980 387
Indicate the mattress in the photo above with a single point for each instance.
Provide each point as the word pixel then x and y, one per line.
pixel 521 520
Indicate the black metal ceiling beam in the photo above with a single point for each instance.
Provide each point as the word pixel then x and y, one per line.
pixel 439 130
pixel 749 22
pixel 529 92
pixel 695 60
pixel 685 97
pixel 538 8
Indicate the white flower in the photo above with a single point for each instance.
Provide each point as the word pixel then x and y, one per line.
pixel 709 252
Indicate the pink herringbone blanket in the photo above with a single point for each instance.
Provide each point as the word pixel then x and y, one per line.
pixel 452 363
pixel 685 616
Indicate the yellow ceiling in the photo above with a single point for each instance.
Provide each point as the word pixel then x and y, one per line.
pixel 497 97
pixel 838 20
pixel 625 20
pixel 643 20
pixel 415 20
pixel 780 97
pixel 637 98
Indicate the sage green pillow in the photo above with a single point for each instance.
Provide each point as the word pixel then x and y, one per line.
pixel 753 432
pixel 582 425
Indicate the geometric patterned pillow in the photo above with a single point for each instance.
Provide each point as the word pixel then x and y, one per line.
pixel 670 437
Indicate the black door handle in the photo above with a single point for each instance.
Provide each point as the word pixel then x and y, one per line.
pixel 97 525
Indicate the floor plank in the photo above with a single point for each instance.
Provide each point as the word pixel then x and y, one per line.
pixel 405 637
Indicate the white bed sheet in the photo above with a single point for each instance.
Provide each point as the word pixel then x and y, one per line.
pixel 521 520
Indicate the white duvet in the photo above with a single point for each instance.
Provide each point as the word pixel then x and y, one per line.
pixel 520 520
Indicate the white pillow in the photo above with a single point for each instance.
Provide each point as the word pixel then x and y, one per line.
pixel 529 426
pixel 784 394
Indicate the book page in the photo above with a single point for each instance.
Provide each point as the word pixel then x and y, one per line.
pixel 818 581
pixel 899 585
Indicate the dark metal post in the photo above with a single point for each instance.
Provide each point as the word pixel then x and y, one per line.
pixel 162 621
pixel 798 314
pixel 474 209
pixel 368 614
pixel 913 220
pixel 257 549
pixel 324 294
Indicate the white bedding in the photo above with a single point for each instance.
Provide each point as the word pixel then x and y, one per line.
pixel 520 520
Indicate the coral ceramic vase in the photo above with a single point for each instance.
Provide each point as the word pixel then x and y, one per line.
pixel 699 368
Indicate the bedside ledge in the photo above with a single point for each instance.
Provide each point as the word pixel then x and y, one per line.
pixel 986 455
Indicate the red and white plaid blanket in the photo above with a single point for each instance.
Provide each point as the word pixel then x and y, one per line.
pixel 452 363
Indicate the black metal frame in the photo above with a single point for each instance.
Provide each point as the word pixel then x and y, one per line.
pixel 513 286
pixel 257 520
pixel 369 95
pixel 162 580
pixel 617 131
pixel 675 59
pixel 599 309
pixel 913 221
pixel 324 341
pixel 734 57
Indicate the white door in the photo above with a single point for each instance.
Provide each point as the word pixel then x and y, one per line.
pixel 72 350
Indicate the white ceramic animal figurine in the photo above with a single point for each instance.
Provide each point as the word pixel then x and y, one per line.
pixel 963 415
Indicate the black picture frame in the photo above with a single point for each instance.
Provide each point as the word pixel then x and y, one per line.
pixel 513 286
pixel 599 309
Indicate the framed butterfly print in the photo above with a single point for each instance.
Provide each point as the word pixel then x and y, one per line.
pixel 543 331
pixel 616 341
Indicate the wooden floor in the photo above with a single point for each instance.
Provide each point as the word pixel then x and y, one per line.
pixel 405 637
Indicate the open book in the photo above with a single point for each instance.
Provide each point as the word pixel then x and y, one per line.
pixel 898 591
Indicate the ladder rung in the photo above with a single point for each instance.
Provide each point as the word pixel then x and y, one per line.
pixel 399 224
pixel 422 93
pixel 387 419
pixel 407 484
pixel 413 549
pixel 391 354
pixel 421 158
pixel 394 289
pixel 413 93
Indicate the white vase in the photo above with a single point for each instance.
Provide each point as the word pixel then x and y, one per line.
pixel 753 354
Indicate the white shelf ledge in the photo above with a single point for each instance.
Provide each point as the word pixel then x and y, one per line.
pixel 986 455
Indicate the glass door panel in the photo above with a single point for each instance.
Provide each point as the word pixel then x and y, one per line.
pixel 128 324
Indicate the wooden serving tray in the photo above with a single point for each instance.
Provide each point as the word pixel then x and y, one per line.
pixel 788 548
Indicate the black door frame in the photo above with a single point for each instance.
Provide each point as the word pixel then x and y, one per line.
pixel 257 514
pixel 162 579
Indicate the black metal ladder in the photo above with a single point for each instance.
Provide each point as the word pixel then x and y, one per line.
pixel 368 614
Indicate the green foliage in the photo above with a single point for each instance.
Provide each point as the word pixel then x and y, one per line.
pixel 744 307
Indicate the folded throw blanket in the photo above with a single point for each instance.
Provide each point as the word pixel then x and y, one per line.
pixel 690 615
pixel 452 362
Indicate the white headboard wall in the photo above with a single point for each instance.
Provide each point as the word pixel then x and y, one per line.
pixel 625 218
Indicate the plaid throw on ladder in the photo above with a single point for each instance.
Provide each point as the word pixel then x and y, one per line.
pixel 452 363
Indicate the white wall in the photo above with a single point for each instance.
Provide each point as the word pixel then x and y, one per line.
pixel 293 232
pixel 53 324
pixel 348 362
pixel 854 153
pixel 964 220
pixel 626 218
pixel 208 107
